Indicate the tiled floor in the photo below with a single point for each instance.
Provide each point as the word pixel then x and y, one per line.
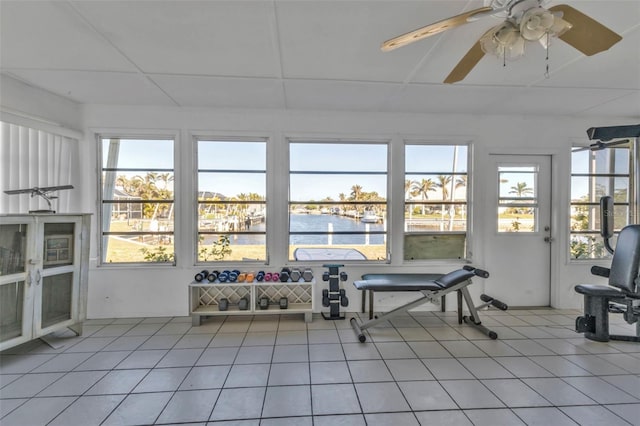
pixel 423 369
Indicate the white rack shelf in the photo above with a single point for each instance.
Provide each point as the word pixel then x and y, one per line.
pixel 204 298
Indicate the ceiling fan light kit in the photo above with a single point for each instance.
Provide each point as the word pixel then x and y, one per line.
pixel 525 20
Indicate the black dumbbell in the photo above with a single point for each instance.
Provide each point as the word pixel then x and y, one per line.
pixel 285 273
pixel 264 303
pixel 296 275
pixel 325 276
pixel 344 300
pixel 260 276
pixel 233 276
pixel 243 304
pixel 213 275
pixel 343 276
pixel 325 297
pixel 200 276
pixel 307 275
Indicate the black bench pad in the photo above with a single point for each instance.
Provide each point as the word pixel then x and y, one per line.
pixel 598 290
pixel 411 282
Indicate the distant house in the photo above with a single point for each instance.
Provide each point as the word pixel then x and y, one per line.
pixel 128 206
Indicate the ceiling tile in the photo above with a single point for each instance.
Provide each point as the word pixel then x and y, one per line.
pixel 341 40
pixel 338 95
pixel 222 92
pixel 552 101
pixel 97 87
pixel 219 38
pixel 453 99
pixel 49 35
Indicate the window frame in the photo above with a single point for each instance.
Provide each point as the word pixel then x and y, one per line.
pixel 468 205
pixel 101 235
pixel 630 206
pixel 196 190
pixel 289 202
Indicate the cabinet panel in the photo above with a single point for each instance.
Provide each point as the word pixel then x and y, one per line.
pixel 13 248
pixel 56 300
pixel 12 323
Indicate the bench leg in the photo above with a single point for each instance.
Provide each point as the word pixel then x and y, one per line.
pixel 370 304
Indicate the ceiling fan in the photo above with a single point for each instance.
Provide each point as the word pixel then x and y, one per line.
pixel 524 21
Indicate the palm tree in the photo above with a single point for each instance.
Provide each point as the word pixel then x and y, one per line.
pixel 356 192
pixel 443 182
pixel 408 185
pixel 461 182
pixel 521 189
pixel 423 188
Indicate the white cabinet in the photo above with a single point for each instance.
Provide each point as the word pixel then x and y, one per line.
pixel 205 298
pixel 43 275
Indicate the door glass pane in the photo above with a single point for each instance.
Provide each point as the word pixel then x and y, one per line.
pixel 57 291
pixel 58 244
pixel 517 199
pixel 13 245
pixel 11 305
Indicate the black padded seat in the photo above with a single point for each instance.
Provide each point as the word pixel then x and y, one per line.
pixel 398 282
pixel 382 284
pixel 413 282
pixel 598 290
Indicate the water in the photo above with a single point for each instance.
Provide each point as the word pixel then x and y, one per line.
pixel 316 223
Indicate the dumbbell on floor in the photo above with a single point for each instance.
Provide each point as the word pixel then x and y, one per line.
pixel 243 304
pixel 264 303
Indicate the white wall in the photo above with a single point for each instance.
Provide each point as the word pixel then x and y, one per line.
pixel 160 291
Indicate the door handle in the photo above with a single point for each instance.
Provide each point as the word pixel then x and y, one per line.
pixel 38 276
pixel 548 239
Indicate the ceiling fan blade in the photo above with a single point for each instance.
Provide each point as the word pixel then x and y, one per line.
pixel 432 29
pixel 587 35
pixel 467 63
pixel 599 146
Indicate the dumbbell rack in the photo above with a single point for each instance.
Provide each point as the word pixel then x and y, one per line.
pixel 334 297
pixel 204 298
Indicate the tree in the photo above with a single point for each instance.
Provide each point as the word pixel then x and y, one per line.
pixel 422 189
pixel 521 189
pixel 443 182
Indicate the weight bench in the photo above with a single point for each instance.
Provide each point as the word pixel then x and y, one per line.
pixel 622 295
pixel 430 289
pixel 405 278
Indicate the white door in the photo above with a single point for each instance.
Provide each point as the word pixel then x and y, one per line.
pixel 518 246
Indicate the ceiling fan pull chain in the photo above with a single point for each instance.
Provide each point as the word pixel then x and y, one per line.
pixel 546 72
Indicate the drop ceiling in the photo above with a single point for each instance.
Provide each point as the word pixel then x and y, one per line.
pixel 309 55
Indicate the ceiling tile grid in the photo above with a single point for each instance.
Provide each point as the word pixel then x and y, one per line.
pixel 308 55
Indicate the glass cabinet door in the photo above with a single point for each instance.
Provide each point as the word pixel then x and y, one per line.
pixel 15 312
pixel 56 295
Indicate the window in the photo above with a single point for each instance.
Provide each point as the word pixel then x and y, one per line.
pixel 435 207
pixel 231 200
pixel 137 200
pixel 337 201
pixel 517 199
pixel 595 174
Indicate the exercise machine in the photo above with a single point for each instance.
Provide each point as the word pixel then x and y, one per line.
pixel 430 289
pixel 622 294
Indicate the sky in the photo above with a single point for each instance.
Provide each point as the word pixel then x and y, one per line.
pixel 326 157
